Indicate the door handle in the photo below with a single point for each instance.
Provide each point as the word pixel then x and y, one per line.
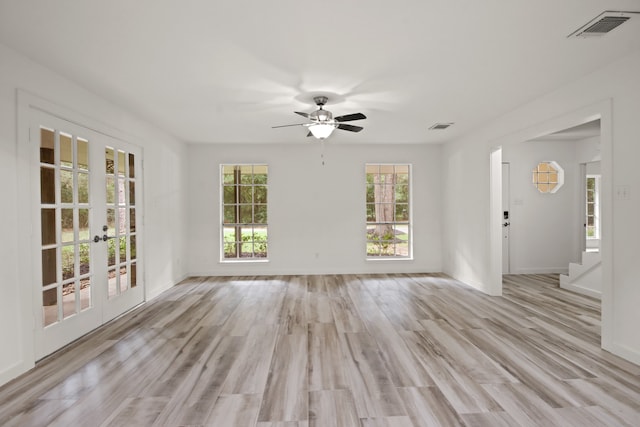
pixel 97 238
pixel 506 224
pixel 104 237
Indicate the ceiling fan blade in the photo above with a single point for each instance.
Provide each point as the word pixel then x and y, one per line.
pixel 350 128
pixel 350 117
pixel 286 126
pixel 306 115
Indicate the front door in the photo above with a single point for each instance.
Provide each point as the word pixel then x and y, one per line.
pixel 86 237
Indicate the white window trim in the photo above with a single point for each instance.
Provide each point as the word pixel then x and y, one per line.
pixel 410 224
pixel 221 224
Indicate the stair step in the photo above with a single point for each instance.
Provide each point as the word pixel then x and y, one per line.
pixel 591 257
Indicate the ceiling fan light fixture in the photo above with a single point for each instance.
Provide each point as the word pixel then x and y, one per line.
pixel 323 123
pixel 321 130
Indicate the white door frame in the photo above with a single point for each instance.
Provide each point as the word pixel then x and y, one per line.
pixel 495 221
pixel 506 222
pixel 582 219
pixel 27 104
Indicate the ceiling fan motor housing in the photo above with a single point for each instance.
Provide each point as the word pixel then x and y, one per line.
pixel 321 115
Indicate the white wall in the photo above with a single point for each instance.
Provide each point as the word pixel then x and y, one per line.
pixel 588 150
pixel 164 198
pixel 316 212
pixel 543 233
pixel 469 255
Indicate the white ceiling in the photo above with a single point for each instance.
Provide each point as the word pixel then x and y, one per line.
pixel 226 71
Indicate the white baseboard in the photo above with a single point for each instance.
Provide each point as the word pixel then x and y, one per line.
pixel 239 270
pixel 14 371
pixel 159 290
pixel 623 351
pixel 584 291
pixel 542 270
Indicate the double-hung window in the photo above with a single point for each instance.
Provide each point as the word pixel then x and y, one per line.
pixel 244 212
pixel 388 211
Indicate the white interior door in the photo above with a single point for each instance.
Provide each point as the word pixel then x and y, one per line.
pixel 83 182
pixel 506 218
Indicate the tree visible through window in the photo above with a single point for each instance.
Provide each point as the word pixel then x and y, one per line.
pixel 388 212
pixel 244 211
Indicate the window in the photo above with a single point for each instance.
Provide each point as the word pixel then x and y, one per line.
pixel 388 211
pixel 548 177
pixel 244 212
pixel 593 208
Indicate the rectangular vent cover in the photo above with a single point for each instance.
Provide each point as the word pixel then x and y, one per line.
pixel 602 24
pixel 440 126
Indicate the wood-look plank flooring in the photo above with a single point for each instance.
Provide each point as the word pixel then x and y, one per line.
pixel 337 350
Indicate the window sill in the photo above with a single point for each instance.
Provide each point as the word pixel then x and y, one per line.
pixel 243 261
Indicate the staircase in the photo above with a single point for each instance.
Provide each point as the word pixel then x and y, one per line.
pixel 584 278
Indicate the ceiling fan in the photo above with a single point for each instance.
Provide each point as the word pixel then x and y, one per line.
pixel 323 123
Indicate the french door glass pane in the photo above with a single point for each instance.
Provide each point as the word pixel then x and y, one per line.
pixel 48 229
pixel 83 154
pixel 84 231
pixel 132 247
pixel 83 188
pixel 123 278
pixel 47 146
pixel 134 282
pixel 132 220
pixel 49 266
pixel 132 169
pixel 66 186
pixel 111 189
pixel 121 163
pixel 68 300
pixel 47 185
pixel 66 150
pixel 67 225
pixel 50 306
pixel 132 193
pixel 68 262
pixel 112 283
pixel 85 293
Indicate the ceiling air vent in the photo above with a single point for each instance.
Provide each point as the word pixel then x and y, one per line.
pixel 440 126
pixel 602 24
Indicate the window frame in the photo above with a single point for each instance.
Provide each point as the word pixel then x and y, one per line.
pixel 239 225
pixel 395 223
pixel 596 207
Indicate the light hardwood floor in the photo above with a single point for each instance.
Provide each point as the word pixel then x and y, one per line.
pixel 345 350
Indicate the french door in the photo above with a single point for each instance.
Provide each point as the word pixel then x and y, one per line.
pixel 87 231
